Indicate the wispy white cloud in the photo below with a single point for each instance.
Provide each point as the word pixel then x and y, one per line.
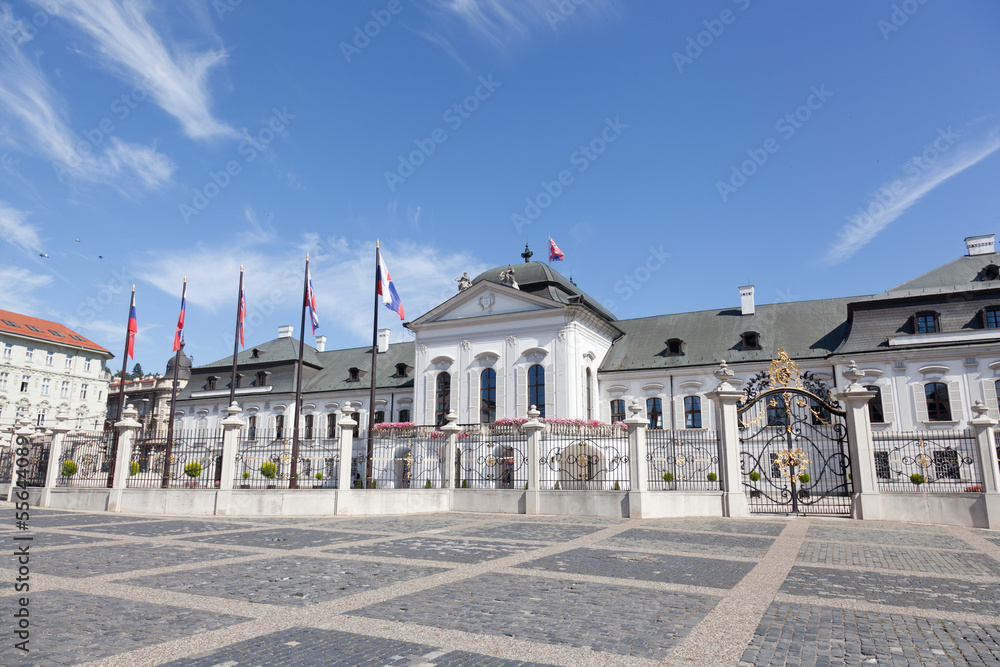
pixel 176 77
pixel 29 100
pixel 15 231
pixel 895 197
pixel 19 289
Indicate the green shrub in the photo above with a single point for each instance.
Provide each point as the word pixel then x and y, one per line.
pixel 525 486
pixel 427 484
pixel 319 476
pixel 357 484
pixel 617 487
pixel 804 478
pixel 917 479
pixel 246 475
pixel 374 483
pixel 557 486
pixel 269 469
pixel 192 469
pixel 465 483
pixel 133 468
pixel 712 477
pixel 754 476
pixel 70 468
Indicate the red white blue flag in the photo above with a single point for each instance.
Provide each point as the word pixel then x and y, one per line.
pixel 384 286
pixel 243 312
pixel 311 303
pixel 555 254
pixel 133 327
pixel 180 320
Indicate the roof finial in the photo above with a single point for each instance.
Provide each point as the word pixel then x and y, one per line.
pixel 526 254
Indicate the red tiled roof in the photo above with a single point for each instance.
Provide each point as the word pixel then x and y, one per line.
pixel 33 327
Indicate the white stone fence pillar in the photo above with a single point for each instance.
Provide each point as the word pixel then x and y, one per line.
pixel 59 432
pixel 726 398
pixel 346 449
pixel 127 429
pixel 638 466
pixel 533 428
pixel 450 430
pixel 989 471
pixel 231 427
pixel 865 500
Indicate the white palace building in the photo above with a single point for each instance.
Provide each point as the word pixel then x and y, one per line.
pixel 929 347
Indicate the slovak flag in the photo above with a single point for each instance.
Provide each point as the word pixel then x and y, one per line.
pixel 384 286
pixel 311 303
pixel 133 327
pixel 180 319
pixel 242 316
pixel 555 254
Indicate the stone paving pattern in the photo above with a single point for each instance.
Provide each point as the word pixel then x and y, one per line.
pixel 456 589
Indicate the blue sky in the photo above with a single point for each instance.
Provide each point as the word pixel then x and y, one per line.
pixel 673 150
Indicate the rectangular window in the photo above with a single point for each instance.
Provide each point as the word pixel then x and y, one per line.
pixel 45 386
pixel 24 383
pixel 993 318
pixel 28 326
pixel 69 361
pixel 882 465
pixel 86 363
pixel 404 415
pixel 309 427
pixel 3 380
pixel 926 323
pixel 692 412
pixel 41 417
pixel 64 389
pixel 331 426
pixel 83 391
pixel 8 351
pixel 252 427
pixel 946 464
pixel 29 353
pixel 48 358
pixel 279 426
pixel 617 410
pixel 379 417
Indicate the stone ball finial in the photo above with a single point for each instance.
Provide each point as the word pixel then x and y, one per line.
pixel 347 410
pixel 724 373
pixel 635 407
pixel 451 416
pixel 533 413
pixel 980 409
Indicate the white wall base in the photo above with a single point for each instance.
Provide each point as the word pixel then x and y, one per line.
pixel 953 509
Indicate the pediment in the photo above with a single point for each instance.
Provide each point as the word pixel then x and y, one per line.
pixel 486 299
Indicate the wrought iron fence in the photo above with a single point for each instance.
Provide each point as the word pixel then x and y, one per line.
pixel 682 460
pixel 86 459
pixel 926 461
pixel 319 463
pixel 6 464
pixel 492 456
pixel 584 457
pixel 413 457
pixel 195 460
pixel 263 460
pixel 39 447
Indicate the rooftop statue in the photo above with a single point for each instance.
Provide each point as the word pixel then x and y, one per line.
pixel 463 283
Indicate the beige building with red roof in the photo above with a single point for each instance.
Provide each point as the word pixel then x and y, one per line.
pixel 47 368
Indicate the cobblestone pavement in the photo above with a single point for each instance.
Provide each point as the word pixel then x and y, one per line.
pixel 459 589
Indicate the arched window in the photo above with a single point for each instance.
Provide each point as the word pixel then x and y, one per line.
pixel 404 415
pixel 617 410
pixel 590 396
pixel 488 396
pixel 938 405
pixel 875 412
pixel 536 388
pixel 443 404
pixel 692 412
pixel 331 425
pixel 654 410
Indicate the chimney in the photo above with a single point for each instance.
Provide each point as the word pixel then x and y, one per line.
pixel 285 331
pixel 980 245
pixel 746 299
pixel 383 340
pixel 321 343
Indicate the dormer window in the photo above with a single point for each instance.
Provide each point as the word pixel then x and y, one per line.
pixel 255 353
pixel 401 370
pixel 212 382
pixel 675 346
pixel 991 272
pixel 355 374
pixel 926 322
pixel 239 380
pixel 991 317
pixel 749 340
pixel 262 378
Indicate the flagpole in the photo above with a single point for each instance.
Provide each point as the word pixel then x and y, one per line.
pixel 121 393
pixel 236 342
pixel 371 394
pixel 293 481
pixel 173 397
